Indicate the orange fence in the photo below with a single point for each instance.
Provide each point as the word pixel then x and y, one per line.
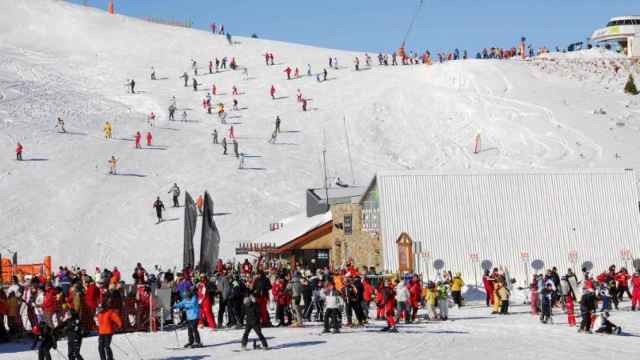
pixel 9 269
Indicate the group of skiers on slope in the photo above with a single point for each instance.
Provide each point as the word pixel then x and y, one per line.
pixel 175 192
pixel 551 290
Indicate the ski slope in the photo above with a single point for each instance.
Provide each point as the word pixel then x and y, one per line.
pixel 58 59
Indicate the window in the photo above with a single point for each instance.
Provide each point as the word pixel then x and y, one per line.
pixel 348 224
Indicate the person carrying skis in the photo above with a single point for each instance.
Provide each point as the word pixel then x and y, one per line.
pixel 138 137
pixel 74 332
pixel 19 149
pixel 214 134
pixel 159 206
pixel 252 322
pixel 191 307
pixel 273 92
pixel 175 193
pixel 185 76
pixel 224 146
pixel 47 339
pixel 108 322
pixel 113 162
pixel 149 138
pixel 61 125
pixel 288 72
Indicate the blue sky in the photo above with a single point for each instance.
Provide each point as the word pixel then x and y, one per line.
pixel 376 25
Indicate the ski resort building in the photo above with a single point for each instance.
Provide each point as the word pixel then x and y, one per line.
pixel 457 221
pixel 624 30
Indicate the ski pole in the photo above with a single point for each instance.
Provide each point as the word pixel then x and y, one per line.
pixel 177 338
pixel 134 348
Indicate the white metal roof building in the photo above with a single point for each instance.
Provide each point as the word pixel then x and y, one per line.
pixel 623 29
pixel 562 217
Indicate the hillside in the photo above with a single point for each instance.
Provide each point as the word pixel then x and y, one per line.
pixel 58 59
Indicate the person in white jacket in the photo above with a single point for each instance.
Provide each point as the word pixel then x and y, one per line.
pixel 402 297
pixel 332 304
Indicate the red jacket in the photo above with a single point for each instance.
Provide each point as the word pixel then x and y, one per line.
pixel 92 296
pixel 414 290
pixel 622 279
pixel 368 291
pixel 50 303
pixel 19 149
pixel 279 294
pixel 635 281
pixel 247 268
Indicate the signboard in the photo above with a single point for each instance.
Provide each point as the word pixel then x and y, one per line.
pixel 438 264
pixel 348 224
pixel 405 253
pixel 537 264
pixel 524 255
pixel 486 264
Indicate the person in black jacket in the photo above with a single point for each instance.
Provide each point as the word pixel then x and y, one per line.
pixel 252 322
pixel 588 304
pixel 73 330
pixel 47 339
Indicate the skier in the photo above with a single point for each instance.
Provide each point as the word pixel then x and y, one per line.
pixel 214 134
pixel 547 299
pixel 61 125
pixel 273 92
pixel 333 302
pixel 288 72
pixel 185 76
pixel 210 67
pixel 47 339
pixel 389 299
pixel 113 162
pixel 108 130
pixel 296 73
pixel 151 118
pixel 299 95
pixel 214 89
pixel 588 304
pixel 19 149
pixel 175 192
pixel 229 39
pixel 108 322
pixel 194 66
pixel 74 331
pixel 278 124
pixel 235 105
pixel 274 137
pixel 184 115
pixel 153 73
pixel 190 305
pixel 235 148
pixel 159 206
pixel 206 291
pixel 606 326
pixel 138 137
pixel 234 91
pixel 231 133
pixel 309 70
pixel 330 62
pixel 245 73
pixel 635 295
pixel 571 316
pixel 241 163
pixel 252 322
pixel 224 146
pixel 132 84
pixel 195 84
pixel 304 105
pixel 325 73
pixel 357 63
pixel 335 63
pixel 213 28
pixel 149 138
pixel 172 111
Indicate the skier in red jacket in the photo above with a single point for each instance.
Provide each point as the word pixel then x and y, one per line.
pixel 19 149
pixel 288 72
pixel 149 138
pixel 635 296
pixel 487 282
pixel 206 304
pixel 138 137
pixel 415 288
pixel 273 92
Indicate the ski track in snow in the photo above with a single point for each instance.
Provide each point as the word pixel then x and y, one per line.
pixel 530 114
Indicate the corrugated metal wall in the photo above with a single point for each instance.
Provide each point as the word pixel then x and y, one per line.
pixel 499 216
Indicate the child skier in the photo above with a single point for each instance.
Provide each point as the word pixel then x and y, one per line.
pixel 192 309
pixel 332 304
pixel 113 162
pixel 74 331
pixel 252 322
pixel 571 316
pixel 20 148
pixel 389 297
pixel 547 299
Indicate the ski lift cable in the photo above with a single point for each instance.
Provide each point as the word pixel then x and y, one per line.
pixel 413 21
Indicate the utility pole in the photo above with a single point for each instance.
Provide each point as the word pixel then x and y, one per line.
pixel 346 132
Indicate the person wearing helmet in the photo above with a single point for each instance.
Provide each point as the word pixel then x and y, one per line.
pixel 190 305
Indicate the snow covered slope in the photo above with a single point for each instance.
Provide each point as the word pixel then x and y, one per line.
pixel 58 59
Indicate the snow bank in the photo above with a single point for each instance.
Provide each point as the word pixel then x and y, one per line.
pixel 586 54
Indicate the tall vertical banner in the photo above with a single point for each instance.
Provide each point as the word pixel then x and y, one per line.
pixel 190 219
pixel 210 241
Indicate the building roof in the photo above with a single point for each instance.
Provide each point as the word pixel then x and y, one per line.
pixel 498 215
pixel 294 228
pixel 339 194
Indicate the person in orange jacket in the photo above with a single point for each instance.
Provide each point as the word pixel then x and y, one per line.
pixel 108 322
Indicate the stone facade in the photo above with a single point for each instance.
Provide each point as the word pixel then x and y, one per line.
pixel 365 249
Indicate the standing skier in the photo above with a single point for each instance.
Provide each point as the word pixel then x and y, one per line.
pixel 132 84
pixel 277 130
pixel 191 307
pixel 138 136
pixel 108 130
pixel 159 206
pixel 252 322
pixel 47 339
pixel 19 149
pixel 151 119
pixel 61 125
pixel 175 193
pixel 210 67
pixel 153 73
pixel 235 148
pixel 185 76
pixel 74 331
pixel 113 163
pixel 108 322
pixel 232 135
pixel 273 92
pixel 288 72
pixel 224 146
pixel 149 138
pixel 304 104
pixel 214 134
pixel 195 84
pixel 588 304
pixel 324 74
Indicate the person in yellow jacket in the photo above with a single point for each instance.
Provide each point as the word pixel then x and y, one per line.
pixel 430 294
pixel 113 163
pixel 108 130
pixel 503 294
pixel 456 289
